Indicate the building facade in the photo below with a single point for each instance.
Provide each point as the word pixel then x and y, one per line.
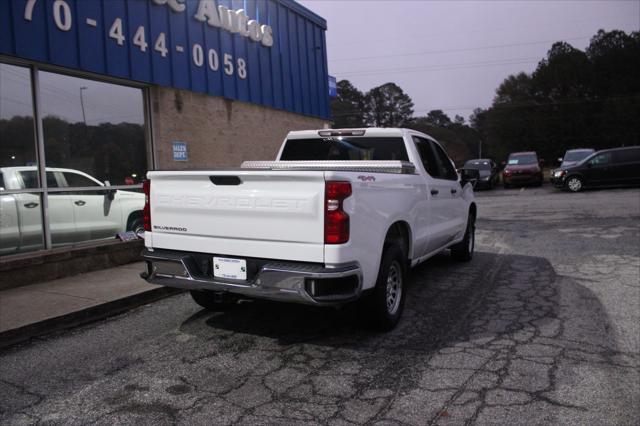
pixel 94 93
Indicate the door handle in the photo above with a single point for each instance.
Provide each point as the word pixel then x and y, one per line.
pixel 31 205
pixel 453 191
pixel 434 192
pixel 79 203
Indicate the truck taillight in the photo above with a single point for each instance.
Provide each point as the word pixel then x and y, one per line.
pixel 146 211
pixel 336 220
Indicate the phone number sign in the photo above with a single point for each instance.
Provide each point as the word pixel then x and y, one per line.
pixel 270 52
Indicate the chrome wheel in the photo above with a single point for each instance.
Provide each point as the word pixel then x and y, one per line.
pixel 472 236
pixel 574 184
pixel 394 287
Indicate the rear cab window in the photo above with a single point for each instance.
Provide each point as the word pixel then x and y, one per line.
pixel 345 148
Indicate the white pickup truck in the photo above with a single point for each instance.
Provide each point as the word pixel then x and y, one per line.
pixel 342 214
pixel 74 216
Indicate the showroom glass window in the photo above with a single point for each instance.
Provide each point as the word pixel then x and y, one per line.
pixel 94 127
pixel 95 156
pixel 20 213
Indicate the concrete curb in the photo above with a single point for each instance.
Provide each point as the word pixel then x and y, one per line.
pixel 83 316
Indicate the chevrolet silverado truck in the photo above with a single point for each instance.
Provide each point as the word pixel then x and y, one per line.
pixel 74 216
pixel 341 215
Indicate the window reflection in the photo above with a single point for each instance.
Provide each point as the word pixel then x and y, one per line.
pixel 21 224
pixel 17 141
pixel 93 127
pixel 93 132
pixel 20 214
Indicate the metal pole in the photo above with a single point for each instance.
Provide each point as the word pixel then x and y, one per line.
pixel 42 172
pixel 84 118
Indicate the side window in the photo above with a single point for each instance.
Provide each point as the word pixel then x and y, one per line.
pixel 75 180
pixel 51 180
pixel 601 159
pixel 1 182
pixel 447 171
pixel 625 156
pixel 426 155
pixel 29 179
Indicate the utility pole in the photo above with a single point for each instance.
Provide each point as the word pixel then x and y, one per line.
pixel 84 117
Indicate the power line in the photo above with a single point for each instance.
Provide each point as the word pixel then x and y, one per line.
pixel 445 67
pixel 567 101
pixel 468 49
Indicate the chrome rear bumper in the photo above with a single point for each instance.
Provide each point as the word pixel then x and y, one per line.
pixel 306 283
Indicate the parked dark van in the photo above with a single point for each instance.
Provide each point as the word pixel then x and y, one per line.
pixel 609 167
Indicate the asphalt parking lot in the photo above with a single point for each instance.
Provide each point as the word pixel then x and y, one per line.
pixel 542 327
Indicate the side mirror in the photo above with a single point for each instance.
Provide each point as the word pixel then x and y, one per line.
pixel 469 176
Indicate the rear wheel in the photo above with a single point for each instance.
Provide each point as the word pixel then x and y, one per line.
pixel 212 300
pixel 574 184
pixel 385 304
pixel 137 226
pixel 463 251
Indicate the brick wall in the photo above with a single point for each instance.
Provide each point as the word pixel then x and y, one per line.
pixel 219 132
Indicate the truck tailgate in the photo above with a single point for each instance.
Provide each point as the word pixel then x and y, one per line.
pixel 272 214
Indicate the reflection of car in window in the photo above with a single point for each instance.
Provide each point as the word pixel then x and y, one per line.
pixel 80 214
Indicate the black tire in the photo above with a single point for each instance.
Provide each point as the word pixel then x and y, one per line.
pixel 574 184
pixel 463 251
pixel 384 305
pixel 137 226
pixel 214 301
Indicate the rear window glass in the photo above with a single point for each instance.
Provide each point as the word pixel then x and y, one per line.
pixel 520 159
pixel 344 148
pixel 478 164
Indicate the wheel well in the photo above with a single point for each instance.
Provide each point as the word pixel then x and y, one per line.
pixel 399 233
pixel 133 216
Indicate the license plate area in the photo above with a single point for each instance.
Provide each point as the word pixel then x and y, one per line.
pixel 229 268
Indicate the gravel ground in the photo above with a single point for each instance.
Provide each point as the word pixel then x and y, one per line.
pixel 542 327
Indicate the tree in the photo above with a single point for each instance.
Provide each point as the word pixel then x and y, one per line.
pixel 388 106
pixel 573 99
pixel 438 118
pixel 348 109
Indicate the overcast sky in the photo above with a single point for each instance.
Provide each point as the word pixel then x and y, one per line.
pixel 452 55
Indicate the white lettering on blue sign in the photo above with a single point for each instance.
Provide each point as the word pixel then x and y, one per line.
pixel 234 21
pixel 180 152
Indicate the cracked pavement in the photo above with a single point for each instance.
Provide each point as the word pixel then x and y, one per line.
pixel 542 327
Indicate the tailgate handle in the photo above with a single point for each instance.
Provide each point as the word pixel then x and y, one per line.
pixel 225 180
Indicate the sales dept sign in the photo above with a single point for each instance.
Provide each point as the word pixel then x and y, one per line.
pixel 234 21
pixel 180 152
